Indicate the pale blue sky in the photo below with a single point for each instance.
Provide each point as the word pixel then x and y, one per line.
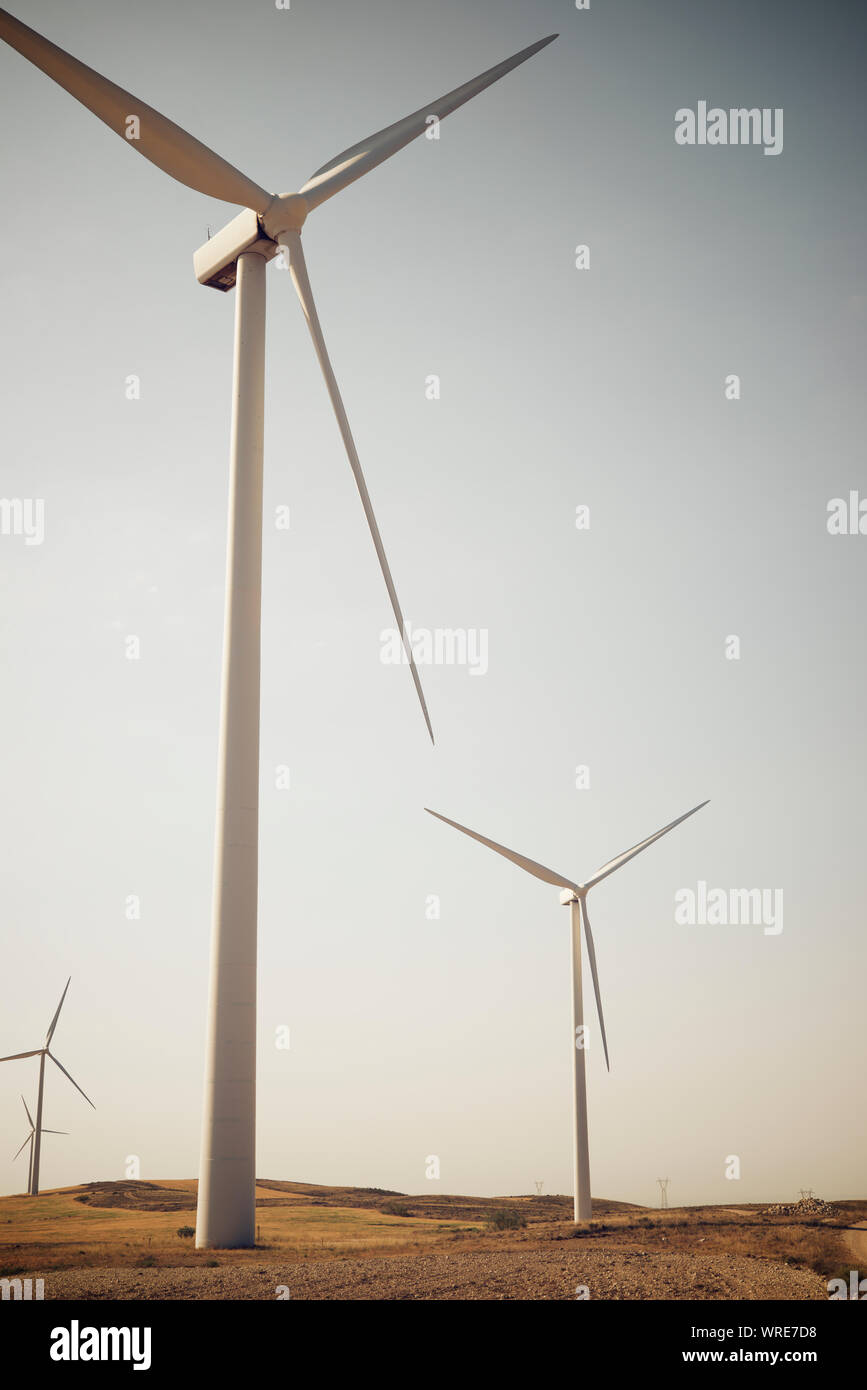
pixel 606 647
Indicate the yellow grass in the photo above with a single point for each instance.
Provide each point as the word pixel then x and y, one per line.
pixel 54 1231
pixel 298 1222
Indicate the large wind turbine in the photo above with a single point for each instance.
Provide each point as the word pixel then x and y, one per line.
pixel 575 895
pixel 29 1140
pixel 38 1131
pixel 237 255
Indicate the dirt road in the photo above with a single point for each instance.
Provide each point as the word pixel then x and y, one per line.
pixel 856 1239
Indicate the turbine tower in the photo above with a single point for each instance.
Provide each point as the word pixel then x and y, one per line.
pixel 38 1131
pixel 574 895
pixel 29 1140
pixel 237 256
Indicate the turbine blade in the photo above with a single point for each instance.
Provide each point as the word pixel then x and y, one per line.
pixel 359 159
pixel 161 141
pixel 55 1131
pixel 591 954
pixel 537 870
pixel 29 1116
pixel 636 849
pixel 53 1024
pixel 69 1078
pixel 16 1055
pixel 298 269
pixel 24 1145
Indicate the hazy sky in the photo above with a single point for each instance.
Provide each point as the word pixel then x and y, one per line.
pixel 560 387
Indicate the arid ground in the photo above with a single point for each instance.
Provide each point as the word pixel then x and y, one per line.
pixel 133 1240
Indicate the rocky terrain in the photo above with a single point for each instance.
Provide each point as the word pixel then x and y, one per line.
pixel 511 1275
pixel 807 1206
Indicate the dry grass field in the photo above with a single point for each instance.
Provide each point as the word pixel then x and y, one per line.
pixel 122 1239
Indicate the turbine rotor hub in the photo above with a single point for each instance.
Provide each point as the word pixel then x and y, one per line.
pixel 286 213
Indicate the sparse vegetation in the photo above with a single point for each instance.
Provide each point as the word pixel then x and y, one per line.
pixel 130 1225
pixel 507 1219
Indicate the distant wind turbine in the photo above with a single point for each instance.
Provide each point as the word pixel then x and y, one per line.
pixel 29 1140
pixel 575 894
pixel 237 255
pixel 38 1131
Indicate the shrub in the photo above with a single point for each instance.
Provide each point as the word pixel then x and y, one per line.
pixel 506 1219
pixel 395 1209
pixel 186 1232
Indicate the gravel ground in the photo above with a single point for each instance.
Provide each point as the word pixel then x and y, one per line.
pixel 533 1274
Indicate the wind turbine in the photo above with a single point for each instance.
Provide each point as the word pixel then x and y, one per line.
pixel 29 1140
pixel 237 255
pixel 575 895
pixel 38 1131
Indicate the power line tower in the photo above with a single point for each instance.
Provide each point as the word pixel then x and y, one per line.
pixel 806 1192
pixel 539 1186
pixel 663 1192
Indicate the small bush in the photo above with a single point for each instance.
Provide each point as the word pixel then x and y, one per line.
pixel 186 1232
pixel 395 1209
pixel 506 1219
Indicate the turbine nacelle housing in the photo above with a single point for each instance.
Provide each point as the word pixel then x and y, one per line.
pixel 216 263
